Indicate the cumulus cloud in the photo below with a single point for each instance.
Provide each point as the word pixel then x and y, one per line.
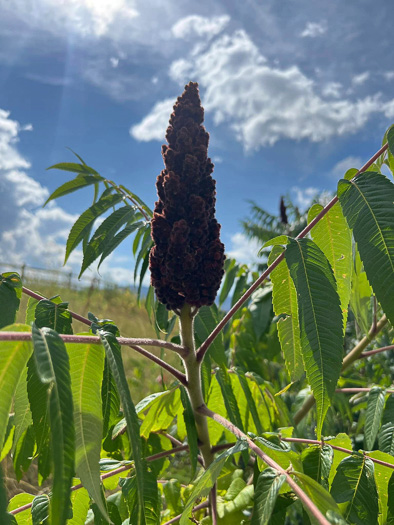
pixel 313 30
pixel 154 125
pixel 243 249
pixel 28 233
pixel 332 89
pixel 360 79
pixel 341 167
pixel 85 17
pixel 303 197
pixel 196 25
pixel 260 102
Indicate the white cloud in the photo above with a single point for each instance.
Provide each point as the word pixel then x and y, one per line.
pixel 9 156
pixel 389 75
pixel 114 62
pixel 85 17
pixel 304 196
pixel 243 249
pixel 196 25
pixel 341 167
pixel 360 79
pixel 154 125
pixel 260 102
pixel 313 30
pixel 332 89
pixel 28 233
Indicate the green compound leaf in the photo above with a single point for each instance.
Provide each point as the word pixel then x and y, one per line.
pixel 367 204
pixel 321 498
pixel 80 505
pixel 114 357
pixel 383 472
pixel 373 416
pixel 13 359
pixel 74 168
pixel 284 299
pixel 86 371
pixel 22 410
pixel 104 234
pixel 53 369
pixel 113 242
pixel 73 185
pixel 390 501
pixel 151 497
pixel 386 434
pixel 354 486
pixel 54 314
pixel 208 479
pixel 10 297
pixel 333 237
pixel 317 461
pixel 81 227
pixel 204 323
pixel 320 319
pixel 110 399
pixel 268 486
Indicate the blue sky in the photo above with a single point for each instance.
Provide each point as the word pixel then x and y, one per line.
pixel 295 93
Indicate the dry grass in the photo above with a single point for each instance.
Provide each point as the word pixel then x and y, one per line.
pixel 121 306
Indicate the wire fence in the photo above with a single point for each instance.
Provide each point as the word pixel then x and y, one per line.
pixel 60 277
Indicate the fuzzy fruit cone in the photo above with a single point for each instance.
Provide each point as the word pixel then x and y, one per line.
pixel 186 261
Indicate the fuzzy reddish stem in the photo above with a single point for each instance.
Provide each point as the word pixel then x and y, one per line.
pixel 119 470
pixel 357 390
pixel 341 449
pixel 215 332
pixel 306 501
pixel 377 351
pixel 180 376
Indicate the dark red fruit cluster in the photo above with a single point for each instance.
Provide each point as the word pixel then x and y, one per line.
pixel 186 261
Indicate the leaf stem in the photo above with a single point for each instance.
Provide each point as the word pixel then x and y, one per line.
pixel 377 351
pixel 201 506
pixel 116 471
pixel 219 327
pixel 176 373
pixel 335 447
pixel 123 341
pixel 357 390
pixel 306 501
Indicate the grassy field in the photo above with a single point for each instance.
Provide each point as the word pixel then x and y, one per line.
pixel 121 306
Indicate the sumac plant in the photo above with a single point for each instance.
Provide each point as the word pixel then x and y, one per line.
pixel 280 406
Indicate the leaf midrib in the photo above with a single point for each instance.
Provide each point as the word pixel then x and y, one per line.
pixel 315 322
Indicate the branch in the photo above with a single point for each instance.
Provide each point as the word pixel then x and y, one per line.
pixel 357 390
pixel 123 341
pixel 201 506
pixel 176 373
pixel 306 501
pixel 377 351
pixel 205 345
pixel 341 449
pixel 349 359
pixel 123 468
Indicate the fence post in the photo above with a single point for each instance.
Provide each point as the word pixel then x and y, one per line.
pixel 70 275
pixel 23 268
